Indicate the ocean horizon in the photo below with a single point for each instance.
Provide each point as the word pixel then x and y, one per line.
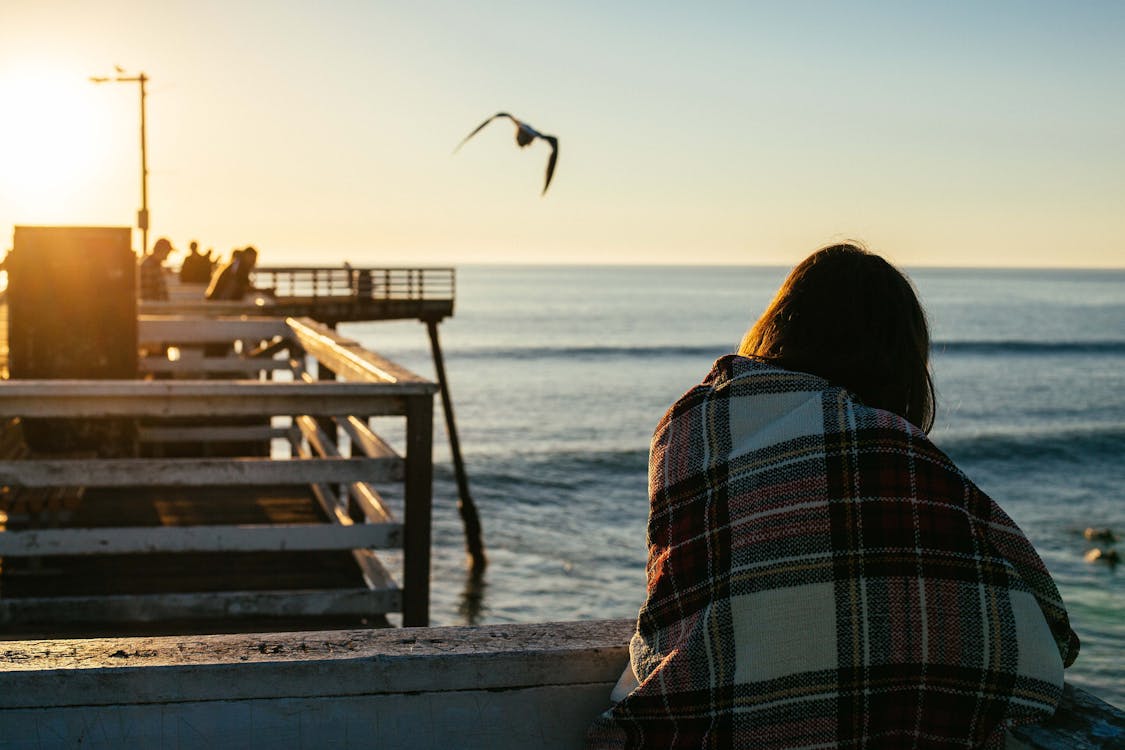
pixel 559 374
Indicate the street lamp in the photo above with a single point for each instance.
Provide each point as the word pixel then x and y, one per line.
pixel 142 215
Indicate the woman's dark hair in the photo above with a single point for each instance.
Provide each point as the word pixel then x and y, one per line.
pixel 852 318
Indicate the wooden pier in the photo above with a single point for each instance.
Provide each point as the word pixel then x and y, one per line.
pixel 190 465
pixel 247 492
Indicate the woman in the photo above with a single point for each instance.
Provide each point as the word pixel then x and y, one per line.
pixel 819 574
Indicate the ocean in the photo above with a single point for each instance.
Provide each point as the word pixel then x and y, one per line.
pixel 559 375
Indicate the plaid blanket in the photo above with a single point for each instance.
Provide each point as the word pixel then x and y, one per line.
pixel 820 576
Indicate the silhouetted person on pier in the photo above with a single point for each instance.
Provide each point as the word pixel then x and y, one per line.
pixel 359 280
pixel 223 278
pixel 153 286
pixel 232 282
pixel 196 268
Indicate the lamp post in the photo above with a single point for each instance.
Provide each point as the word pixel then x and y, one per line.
pixel 142 215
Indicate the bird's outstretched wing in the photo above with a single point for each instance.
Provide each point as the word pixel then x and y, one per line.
pixel 550 162
pixel 481 127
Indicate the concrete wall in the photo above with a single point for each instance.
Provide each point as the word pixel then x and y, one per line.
pixel 495 687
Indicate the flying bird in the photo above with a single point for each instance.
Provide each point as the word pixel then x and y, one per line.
pixel 525 134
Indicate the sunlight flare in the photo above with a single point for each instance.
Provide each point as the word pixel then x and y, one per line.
pixel 53 139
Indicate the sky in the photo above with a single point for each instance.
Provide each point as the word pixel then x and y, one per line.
pixel 940 134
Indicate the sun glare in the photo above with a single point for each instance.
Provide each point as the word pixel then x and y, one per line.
pixel 52 142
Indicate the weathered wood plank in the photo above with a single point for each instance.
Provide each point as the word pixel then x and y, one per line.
pixel 375 575
pixel 210 605
pixel 370 503
pixel 368 443
pixel 192 472
pixel 347 358
pixel 366 499
pixel 317 438
pixel 333 501
pixel 210 364
pixel 179 389
pixel 164 539
pixel 174 329
pixel 326 448
pixel 267 350
pixel 201 398
pixel 371 506
pixel 181 434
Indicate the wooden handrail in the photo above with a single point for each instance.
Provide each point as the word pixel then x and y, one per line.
pixel 203 398
pixel 349 360
pixel 194 472
pixel 170 539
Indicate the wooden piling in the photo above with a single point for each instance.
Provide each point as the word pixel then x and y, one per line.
pixel 416 512
pixel 474 545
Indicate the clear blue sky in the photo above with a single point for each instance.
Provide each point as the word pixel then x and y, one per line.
pixel 956 133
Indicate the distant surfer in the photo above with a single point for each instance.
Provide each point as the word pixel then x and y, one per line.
pixel 525 134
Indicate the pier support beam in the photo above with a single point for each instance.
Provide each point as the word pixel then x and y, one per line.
pixel 417 506
pixel 474 545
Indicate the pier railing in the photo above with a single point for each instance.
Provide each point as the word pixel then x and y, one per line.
pixel 366 283
pixel 328 294
pixel 284 402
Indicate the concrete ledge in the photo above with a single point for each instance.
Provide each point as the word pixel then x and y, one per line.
pixel 111 671
pixel 496 687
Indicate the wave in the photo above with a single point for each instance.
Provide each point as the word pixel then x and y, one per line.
pixel 587 352
pixel 1084 445
pixel 538 474
pixel 604 484
pixel 987 348
pixel 714 351
pixel 1091 443
pixel 544 477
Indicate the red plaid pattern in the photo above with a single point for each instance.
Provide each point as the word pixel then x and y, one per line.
pixel 821 576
